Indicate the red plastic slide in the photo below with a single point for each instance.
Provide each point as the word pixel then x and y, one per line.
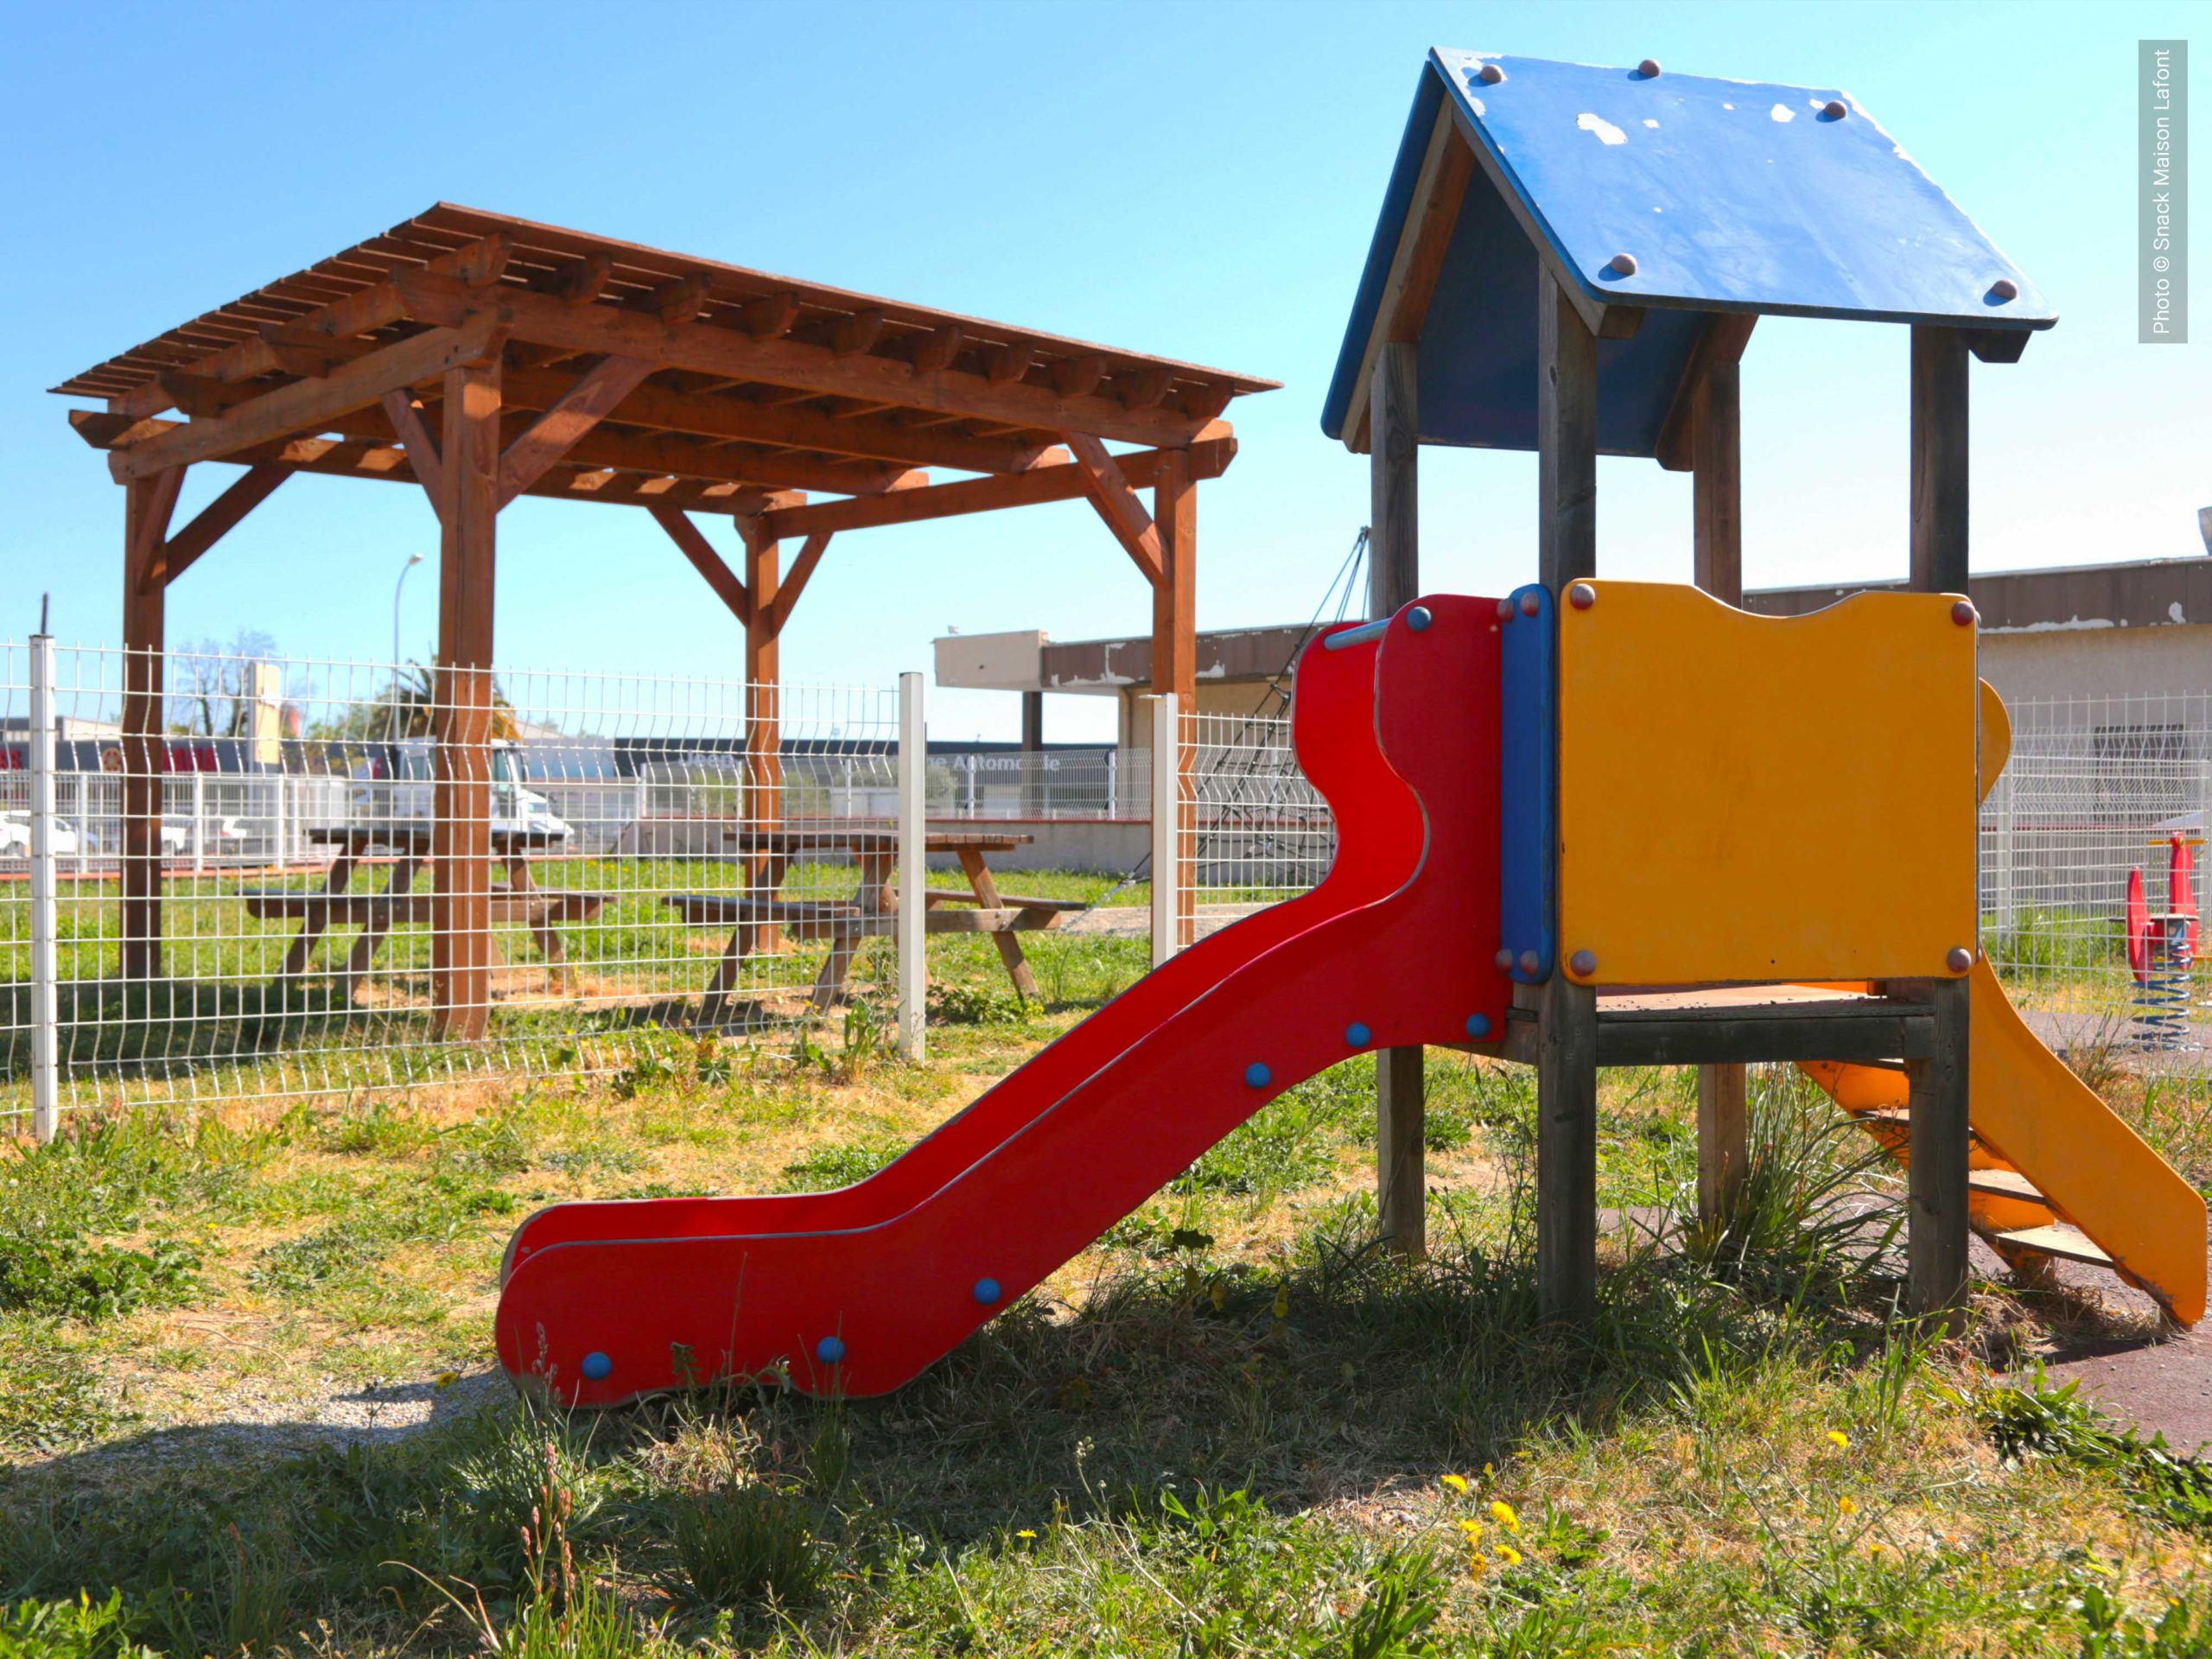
pixel 855 1291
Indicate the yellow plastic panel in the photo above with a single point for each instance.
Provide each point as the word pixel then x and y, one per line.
pixel 1996 739
pixel 1748 797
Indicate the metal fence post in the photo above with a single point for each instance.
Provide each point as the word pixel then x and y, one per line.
pixel 913 869
pixel 198 823
pixel 46 1009
pixel 1166 822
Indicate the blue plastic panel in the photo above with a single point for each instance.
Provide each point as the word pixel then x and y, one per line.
pixel 1733 195
pixel 1723 207
pixel 1526 784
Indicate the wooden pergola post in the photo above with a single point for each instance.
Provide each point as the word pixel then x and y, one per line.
pixel 764 763
pixel 1394 580
pixel 1939 1096
pixel 1567 1054
pixel 147 504
pixel 1174 652
pixel 1716 494
pixel 461 829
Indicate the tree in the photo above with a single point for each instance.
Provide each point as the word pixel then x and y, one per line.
pixel 212 693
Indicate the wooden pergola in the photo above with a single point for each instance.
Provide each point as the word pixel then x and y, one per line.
pixel 483 358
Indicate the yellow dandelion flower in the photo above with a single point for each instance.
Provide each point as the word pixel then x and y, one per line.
pixel 1842 1440
pixel 445 1379
pixel 1846 1504
pixel 1477 1566
pixel 1507 1554
pixel 1457 1483
pixel 1501 1512
pixel 1486 1471
pixel 1471 1527
pixel 1025 1533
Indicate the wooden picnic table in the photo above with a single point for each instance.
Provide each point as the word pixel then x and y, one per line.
pixel 376 913
pixel 768 855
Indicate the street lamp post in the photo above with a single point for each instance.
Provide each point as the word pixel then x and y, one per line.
pixel 398 587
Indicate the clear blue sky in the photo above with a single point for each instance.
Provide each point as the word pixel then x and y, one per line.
pixel 1196 181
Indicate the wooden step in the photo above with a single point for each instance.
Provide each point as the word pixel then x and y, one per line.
pixel 2004 1184
pixel 2062 1243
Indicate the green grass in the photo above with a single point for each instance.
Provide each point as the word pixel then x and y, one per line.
pixel 1225 1430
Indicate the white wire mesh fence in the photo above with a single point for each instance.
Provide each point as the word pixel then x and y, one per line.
pixel 306 877
pixel 1263 832
pixel 2100 792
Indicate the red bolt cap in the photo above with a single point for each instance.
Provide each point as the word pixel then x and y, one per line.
pixel 1962 613
pixel 1835 109
pixel 1583 963
pixel 2005 288
pixel 1582 595
pixel 1621 264
pixel 1960 959
pixel 1505 610
pixel 1530 604
pixel 1490 74
pixel 1504 961
pixel 1530 962
pixel 1649 68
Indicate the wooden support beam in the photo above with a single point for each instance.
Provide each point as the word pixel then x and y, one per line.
pixel 1393 581
pixel 694 546
pixel 407 425
pixel 1438 187
pixel 556 432
pixel 1720 347
pixel 1010 362
pixel 744 421
pixel 195 395
pixel 305 405
pixel 711 349
pixel 1939 460
pixel 1940 1088
pixel 308 353
pixel 1117 504
pixel 147 504
pixel 1717 542
pixel 214 521
pixel 1063 481
pixel 770 317
pixel 935 350
pixel 361 313
pixel 586 280
pixel 460 829
pixel 1942 1142
pixel 1175 650
pixel 795 580
pixel 855 335
pixel 1566 1056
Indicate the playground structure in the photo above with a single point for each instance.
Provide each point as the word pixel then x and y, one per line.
pixel 2161 948
pixel 1570 260
pixel 485 357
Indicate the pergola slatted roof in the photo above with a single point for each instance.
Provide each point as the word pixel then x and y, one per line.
pixel 485 358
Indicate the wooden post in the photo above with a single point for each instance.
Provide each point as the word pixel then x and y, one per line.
pixel 1716 494
pixel 1939 460
pixel 461 828
pixel 1394 580
pixel 1175 652
pixel 1033 749
pixel 147 504
pixel 1567 1054
pixel 1939 1092
pixel 764 753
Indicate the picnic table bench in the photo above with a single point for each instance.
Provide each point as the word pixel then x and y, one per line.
pixel 872 909
pixel 376 913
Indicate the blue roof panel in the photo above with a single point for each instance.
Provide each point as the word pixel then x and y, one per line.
pixel 1733 195
pixel 1727 196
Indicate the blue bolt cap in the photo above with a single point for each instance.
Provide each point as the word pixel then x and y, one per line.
pixel 1356 1035
pixel 829 1350
pixel 1478 1025
pixel 987 1291
pixel 1418 619
pixel 1257 1076
pixel 596 1366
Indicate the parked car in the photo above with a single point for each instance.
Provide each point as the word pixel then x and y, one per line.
pixel 394 784
pixel 15 835
pixel 183 835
